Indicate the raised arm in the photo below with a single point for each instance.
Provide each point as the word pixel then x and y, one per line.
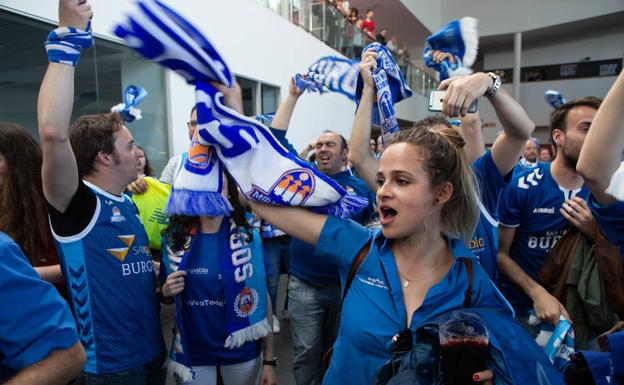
pixel 296 221
pixel 359 152
pixel 602 150
pixel 472 133
pixel 517 126
pixel 286 108
pixel 59 368
pixel 54 108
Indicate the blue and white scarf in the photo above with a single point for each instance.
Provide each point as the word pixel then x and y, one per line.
pixel 241 260
pixel 133 95
pixel 65 43
pixel 262 168
pixel 391 88
pixel 557 341
pixel 554 98
pixel 330 73
pixel 459 38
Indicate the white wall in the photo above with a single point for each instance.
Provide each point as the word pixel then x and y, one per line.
pixel 508 16
pixel 255 42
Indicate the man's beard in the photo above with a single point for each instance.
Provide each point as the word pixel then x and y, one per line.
pixel 569 160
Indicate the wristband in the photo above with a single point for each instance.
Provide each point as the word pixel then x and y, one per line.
pixel 65 43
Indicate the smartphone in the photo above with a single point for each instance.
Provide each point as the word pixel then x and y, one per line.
pixel 437 97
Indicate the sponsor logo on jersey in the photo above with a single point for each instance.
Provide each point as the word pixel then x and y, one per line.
pixel 121 252
pixel 544 210
pixel 246 302
pixel 117 217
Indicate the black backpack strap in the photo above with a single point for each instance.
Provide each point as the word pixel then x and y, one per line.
pixel 468 294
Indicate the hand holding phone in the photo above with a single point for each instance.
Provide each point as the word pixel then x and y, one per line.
pixel 436 99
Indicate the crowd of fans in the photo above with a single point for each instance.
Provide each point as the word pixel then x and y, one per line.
pixel 519 237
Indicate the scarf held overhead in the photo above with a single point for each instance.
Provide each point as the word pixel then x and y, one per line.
pixel 330 73
pixel 223 136
pixel 391 89
pixel 459 38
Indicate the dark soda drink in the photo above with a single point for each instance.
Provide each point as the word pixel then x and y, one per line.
pixel 464 344
pixel 461 359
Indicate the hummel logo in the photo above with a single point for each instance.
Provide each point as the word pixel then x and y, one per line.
pixel 544 210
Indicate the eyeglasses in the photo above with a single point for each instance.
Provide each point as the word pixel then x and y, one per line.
pixel 192 123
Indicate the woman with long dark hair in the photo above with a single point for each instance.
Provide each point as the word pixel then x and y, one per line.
pixel 214 268
pixel 23 210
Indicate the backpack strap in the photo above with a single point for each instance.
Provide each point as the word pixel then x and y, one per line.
pixel 468 294
pixel 357 262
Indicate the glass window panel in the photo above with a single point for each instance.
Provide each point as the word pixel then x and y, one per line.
pixel 101 77
pixel 270 98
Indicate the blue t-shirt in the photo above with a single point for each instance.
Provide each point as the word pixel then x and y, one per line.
pixel 110 277
pixel 374 310
pixel 484 241
pixel 531 204
pixel 203 301
pixel 303 264
pixel 35 320
pixel 610 219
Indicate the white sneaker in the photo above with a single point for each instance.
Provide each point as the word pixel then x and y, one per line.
pixel 276 325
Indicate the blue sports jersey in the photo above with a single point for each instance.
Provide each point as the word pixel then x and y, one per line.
pixel 303 264
pixel 204 313
pixel 110 277
pixel 531 204
pixel 484 241
pixel 374 310
pixel 610 219
pixel 35 320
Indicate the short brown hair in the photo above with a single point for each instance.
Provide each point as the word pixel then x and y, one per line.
pixel 92 134
pixel 444 160
pixel 559 117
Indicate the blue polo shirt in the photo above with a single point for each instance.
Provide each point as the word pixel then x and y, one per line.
pixel 35 320
pixel 484 241
pixel 374 310
pixel 531 204
pixel 303 264
pixel 610 219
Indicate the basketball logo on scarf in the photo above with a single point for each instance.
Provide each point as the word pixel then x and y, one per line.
pixel 246 302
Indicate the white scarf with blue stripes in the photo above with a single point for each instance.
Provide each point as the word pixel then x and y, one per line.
pixel 262 168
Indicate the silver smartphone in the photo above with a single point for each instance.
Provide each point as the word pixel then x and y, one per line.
pixel 436 98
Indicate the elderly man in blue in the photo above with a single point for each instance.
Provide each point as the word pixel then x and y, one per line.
pixel 38 340
pixel 491 168
pixel 599 164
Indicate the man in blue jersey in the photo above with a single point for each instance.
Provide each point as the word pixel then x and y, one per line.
pixel 314 287
pixel 538 206
pixel 102 245
pixel 491 168
pixel 38 340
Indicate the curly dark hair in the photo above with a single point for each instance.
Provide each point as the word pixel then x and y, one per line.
pixel 180 226
pixel 23 211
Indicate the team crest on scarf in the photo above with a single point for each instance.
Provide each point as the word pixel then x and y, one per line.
pixel 292 188
pixel 246 302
